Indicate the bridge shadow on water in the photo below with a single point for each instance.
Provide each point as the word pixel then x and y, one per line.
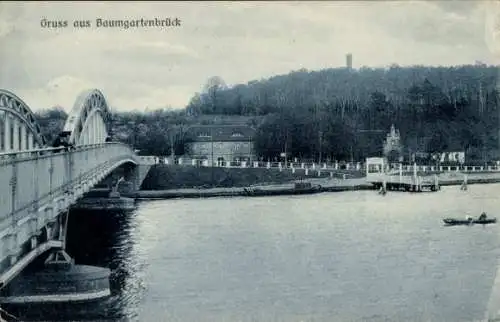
pixel 97 238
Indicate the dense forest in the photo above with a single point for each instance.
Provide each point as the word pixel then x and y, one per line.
pixel 338 113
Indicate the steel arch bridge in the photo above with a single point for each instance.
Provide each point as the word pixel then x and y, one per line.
pixel 88 122
pixel 39 182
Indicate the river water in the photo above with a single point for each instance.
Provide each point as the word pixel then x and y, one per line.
pixel 346 256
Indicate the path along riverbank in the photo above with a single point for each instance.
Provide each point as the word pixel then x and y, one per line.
pixel 325 185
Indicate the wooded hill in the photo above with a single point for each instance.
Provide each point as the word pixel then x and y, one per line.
pixel 339 113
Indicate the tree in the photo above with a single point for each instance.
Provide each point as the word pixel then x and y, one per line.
pixel 195 105
pixel 51 122
pixel 212 89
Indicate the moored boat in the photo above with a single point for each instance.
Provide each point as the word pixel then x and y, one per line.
pixel 454 222
pixel 298 189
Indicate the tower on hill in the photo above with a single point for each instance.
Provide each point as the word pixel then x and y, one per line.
pixel 349 61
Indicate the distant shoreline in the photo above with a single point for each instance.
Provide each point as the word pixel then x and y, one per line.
pixel 327 185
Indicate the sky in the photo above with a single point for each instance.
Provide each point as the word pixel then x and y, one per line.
pixel 141 68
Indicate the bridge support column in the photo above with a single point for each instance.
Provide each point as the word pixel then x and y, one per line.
pixel 6 134
pixel 95 131
pixel 33 223
pixel 13 248
pixel 63 228
pixel 98 130
pixel 5 249
pixel 100 133
pixel 48 232
pixel 30 141
pixel 15 136
pixel 23 139
pixel 34 242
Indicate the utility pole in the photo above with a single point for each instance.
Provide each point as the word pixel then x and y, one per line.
pixel 286 146
pixel 212 144
pixel 250 160
pixel 317 125
pixel 320 134
pixel 172 148
pixel 212 157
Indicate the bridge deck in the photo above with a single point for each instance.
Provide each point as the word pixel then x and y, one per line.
pixel 39 185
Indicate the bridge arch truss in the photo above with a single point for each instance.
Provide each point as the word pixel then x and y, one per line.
pixel 89 120
pixel 19 130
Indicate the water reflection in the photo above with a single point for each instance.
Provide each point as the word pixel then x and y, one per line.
pixel 353 256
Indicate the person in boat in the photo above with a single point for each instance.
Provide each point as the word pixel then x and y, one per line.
pixel 483 216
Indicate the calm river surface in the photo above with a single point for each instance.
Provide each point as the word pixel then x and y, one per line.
pixel 348 256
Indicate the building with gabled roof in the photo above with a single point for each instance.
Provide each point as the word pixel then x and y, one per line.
pixel 221 143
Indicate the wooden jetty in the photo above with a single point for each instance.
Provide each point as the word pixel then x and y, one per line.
pixel 379 175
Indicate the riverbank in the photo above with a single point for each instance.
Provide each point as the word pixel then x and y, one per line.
pixel 168 177
pixel 326 185
pixel 330 185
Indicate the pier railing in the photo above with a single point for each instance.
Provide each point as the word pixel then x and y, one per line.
pixel 313 166
pixel 343 170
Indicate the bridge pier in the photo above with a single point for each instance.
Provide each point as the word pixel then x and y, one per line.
pixel 30 233
pixel 81 282
pixel 116 191
pixel 127 179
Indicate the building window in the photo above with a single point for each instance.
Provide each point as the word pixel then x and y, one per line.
pixel 236 147
pixel 203 135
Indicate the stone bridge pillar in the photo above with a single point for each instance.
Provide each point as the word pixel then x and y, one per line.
pixel 134 175
pixel 126 179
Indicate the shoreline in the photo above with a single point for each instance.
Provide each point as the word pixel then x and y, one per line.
pixel 325 185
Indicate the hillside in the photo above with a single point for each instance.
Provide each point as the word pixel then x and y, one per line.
pixel 334 113
pixel 346 113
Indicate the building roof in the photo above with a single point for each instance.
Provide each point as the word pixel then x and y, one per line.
pixel 220 133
